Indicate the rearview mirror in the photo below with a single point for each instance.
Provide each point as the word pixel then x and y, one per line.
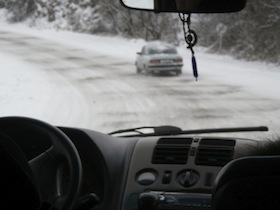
pixel 186 6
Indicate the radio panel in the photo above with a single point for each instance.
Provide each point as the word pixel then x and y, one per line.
pixel 174 201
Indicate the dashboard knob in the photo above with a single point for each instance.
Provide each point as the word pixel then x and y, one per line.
pixel 188 178
pixel 146 178
pixel 148 201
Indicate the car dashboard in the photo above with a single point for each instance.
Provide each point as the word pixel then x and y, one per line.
pixel 129 173
pixel 179 170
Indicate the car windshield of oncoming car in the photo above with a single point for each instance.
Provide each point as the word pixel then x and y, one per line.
pixel 73 64
pixel 162 50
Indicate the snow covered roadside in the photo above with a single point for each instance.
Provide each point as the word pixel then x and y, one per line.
pixel 25 91
pixel 114 46
pixel 19 85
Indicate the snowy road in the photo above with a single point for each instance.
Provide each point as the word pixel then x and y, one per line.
pixel 77 85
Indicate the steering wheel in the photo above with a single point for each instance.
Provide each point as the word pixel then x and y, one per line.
pixel 54 164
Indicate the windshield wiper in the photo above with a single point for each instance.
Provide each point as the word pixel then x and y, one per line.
pixel 172 130
pixel 159 130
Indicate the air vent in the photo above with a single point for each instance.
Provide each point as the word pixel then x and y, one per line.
pixel 214 152
pixel 172 151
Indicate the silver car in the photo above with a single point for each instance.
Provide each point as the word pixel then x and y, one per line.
pixel 159 57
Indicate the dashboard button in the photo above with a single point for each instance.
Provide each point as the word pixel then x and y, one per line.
pixel 192 152
pixel 166 179
pixel 209 179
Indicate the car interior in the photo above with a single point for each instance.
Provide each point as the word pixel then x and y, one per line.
pixel 45 166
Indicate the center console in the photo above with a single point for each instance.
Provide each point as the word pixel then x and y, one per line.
pixel 173 173
pixel 154 200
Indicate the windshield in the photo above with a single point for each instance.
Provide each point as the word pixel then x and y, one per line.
pixel 162 50
pixel 74 64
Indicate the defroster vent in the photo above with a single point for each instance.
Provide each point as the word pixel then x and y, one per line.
pixel 215 152
pixel 172 151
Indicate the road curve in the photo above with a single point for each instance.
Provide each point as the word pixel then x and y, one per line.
pixel 104 93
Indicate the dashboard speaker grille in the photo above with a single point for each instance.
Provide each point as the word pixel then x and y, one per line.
pixel 171 151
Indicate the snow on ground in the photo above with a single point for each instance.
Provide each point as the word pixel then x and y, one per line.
pixel 216 66
pixel 25 91
pixel 228 93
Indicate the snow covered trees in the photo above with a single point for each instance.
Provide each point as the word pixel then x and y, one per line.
pixel 19 10
pixel 93 16
pixel 251 34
